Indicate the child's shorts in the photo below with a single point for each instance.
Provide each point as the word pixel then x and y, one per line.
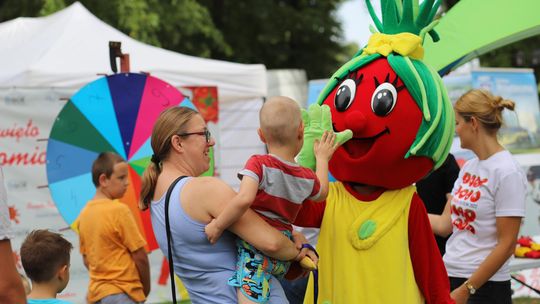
pixel 254 270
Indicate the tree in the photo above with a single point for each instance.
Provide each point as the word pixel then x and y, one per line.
pixel 10 9
pixel 303 34
pixel 135 18
pixel 187 27
pixel 521 54
pixel 179 25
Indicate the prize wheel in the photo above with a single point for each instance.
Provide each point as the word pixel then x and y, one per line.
pixel 114 113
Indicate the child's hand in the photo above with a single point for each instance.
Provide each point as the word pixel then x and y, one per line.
pixel 213 232
pixel 306 253
pixel 326 146
pixel 308 258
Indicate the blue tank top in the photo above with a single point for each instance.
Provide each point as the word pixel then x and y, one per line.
pixel 203 268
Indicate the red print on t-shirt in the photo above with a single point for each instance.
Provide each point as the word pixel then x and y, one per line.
pixel 14 214
pixel 468 191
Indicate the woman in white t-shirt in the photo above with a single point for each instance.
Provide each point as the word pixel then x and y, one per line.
pixel 486 208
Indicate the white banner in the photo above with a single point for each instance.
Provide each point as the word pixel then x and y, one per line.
pixel 27 116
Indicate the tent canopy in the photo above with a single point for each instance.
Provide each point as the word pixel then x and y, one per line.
pixel 69 48
pixel 472 28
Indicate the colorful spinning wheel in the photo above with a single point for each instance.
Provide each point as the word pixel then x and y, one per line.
pixel 113 113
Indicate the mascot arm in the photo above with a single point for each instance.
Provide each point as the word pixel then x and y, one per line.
pixel 311 214
pixel 429 270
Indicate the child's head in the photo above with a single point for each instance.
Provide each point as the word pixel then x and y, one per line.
pixel 45 256
pixel 110 174
pixel 281 122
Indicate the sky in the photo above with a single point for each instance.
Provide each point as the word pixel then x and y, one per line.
pixel 356 20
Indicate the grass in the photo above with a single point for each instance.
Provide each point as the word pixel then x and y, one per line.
pixel 526 301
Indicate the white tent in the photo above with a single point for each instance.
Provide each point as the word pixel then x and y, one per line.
pixel 68 49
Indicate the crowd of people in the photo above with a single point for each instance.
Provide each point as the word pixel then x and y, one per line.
pixel 230 247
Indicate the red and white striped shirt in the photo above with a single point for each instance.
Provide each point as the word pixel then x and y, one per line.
pixel 283 187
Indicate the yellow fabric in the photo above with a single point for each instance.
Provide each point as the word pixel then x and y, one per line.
pixel 181 289
pixel 108 234
pixel 405 44
pixel 374 270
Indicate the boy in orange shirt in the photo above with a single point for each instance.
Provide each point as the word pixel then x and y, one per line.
pixel 110 242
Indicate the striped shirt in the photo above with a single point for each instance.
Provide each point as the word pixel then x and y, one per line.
pixel 283 187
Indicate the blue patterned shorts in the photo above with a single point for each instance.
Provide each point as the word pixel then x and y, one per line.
pixel 254 270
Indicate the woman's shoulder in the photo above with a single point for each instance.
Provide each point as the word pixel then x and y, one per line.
pixel 209 193
pixel 505 162
pixel 208 186
pixel 505 166
pixel 206 181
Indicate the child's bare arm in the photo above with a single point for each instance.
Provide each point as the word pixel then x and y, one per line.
pixel 140 257
pixel 11 287
pixel 324 149
pixel 233 210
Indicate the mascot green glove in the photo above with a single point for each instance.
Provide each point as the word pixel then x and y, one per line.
pixel 317 120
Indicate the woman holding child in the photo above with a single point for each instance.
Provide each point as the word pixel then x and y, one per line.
pixel 181 144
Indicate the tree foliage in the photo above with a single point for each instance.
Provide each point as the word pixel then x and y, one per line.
pixel 303 34
pixel 520 54
pixel 10 9
pixel 187 27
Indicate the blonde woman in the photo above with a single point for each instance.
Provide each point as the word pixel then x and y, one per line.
pixel 486 207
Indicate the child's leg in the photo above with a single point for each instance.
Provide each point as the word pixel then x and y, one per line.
pixel 242 299
pixel 252 275
pixel 279 268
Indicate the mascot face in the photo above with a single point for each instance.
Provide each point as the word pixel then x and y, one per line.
pixel 375 104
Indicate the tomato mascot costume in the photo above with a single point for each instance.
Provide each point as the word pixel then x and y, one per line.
pixel 375 242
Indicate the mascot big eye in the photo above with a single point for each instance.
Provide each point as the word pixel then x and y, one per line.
pixel 376 243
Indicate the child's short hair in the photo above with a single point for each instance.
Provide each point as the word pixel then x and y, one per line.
pixel 104 164
pixel 280 118
pixel 42 253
